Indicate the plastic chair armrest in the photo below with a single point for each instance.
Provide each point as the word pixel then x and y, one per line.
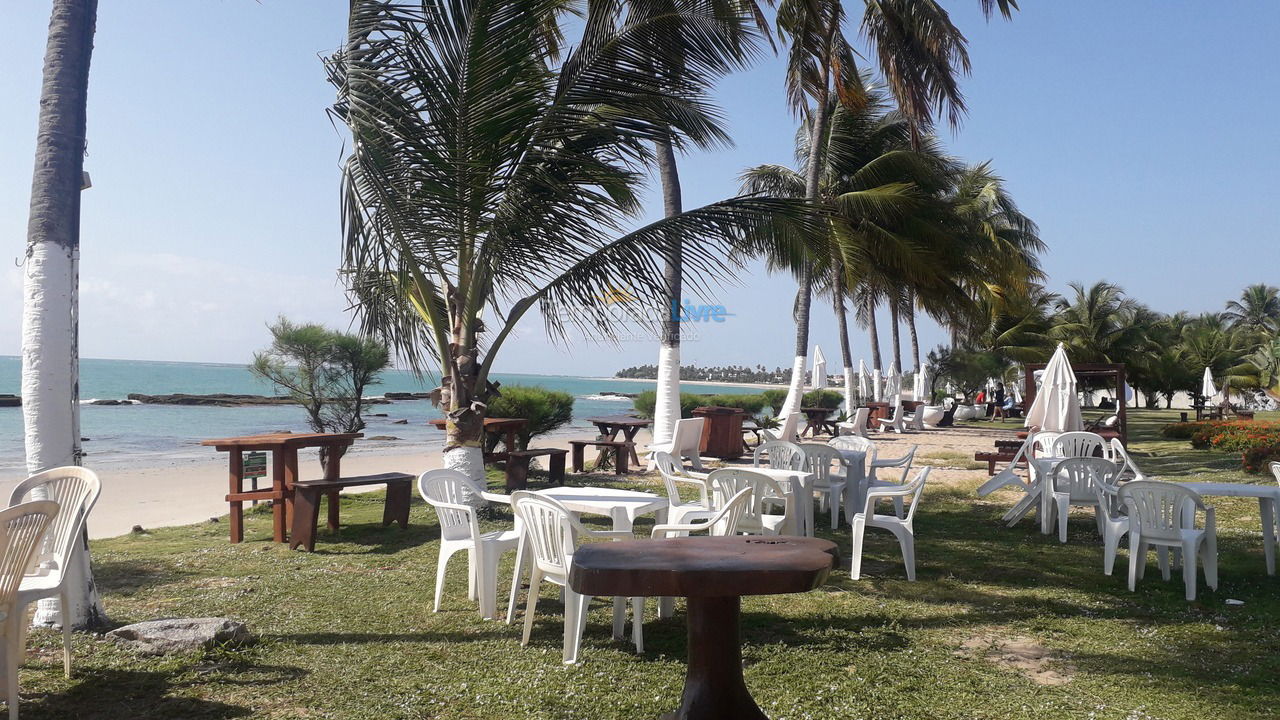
pixel 496 497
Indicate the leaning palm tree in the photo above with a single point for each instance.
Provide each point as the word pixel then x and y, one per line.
pixel 50 344
pixel 489 177
pixel 1257 310
pixel 921 55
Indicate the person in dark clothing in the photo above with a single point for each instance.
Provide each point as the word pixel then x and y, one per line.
pixel 997 411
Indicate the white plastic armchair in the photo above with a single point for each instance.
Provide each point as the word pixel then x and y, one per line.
pixel 1007 477
pixel 447 491
pixel 1075 482
pixel 915 422
pixel 685 444
pixel 894 423
pixel 1164 515
pixel 902 526
pixel 722 522
pixel 22 530
pixel 1042 443
pixel 1078 444
pixel 727 483
pixel 553 534
pixel 1115 522
pixel 857 426
pixel 76 491
pixel 1126 468
pixel 779 455
pixel 904 462
pixel 830 476
pixel 673 476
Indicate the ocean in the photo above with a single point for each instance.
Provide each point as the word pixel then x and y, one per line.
pixel 152 434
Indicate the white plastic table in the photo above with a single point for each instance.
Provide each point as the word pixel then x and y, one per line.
pixel 800 484
pixel 855 485
pixel 1267 496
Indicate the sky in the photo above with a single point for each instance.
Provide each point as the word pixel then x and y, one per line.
pixel 1137 134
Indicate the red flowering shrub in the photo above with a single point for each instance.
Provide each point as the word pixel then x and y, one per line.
pixel 1258 442
pixel 1258 460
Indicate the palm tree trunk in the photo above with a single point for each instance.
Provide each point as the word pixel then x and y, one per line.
pixel 846 353
pixel 874 335
pixel 666 410
pixel 464 425
pixel 50 328
pixel 893 334
pixel 915 339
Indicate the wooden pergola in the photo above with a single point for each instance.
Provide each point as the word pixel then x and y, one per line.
pixel 1111 371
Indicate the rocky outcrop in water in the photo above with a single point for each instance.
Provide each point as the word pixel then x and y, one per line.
pixel 223 399
pixel 10 401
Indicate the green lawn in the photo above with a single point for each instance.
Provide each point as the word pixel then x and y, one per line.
pixel 348 632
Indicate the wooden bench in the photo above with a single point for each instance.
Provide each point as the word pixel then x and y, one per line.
pixel 518 466
pixel 306 503
pixel 1012 445
pixel 991 458
pixel 621 453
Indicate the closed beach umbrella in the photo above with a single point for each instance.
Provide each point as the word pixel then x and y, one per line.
pixel 922 384
pixel 876 386
pixel 893 385
pixel 819 373
pixel 1207 389
pixel 1056 407
pixel 864 381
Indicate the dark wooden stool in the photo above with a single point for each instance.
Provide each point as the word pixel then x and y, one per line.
pixel 306 503
pixel 713 573
pixel 518 466
pixel 991 458
pixel 621 453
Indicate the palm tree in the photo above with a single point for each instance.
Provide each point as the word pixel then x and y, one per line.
pixel 921 55
pixel 1093 323
pixel 50 342
pixel 1257 310
pixel 489 177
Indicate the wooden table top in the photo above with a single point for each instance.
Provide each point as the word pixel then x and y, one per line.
pixel 490 423
pixel 275 441
pixel 703 566
pixel 619 420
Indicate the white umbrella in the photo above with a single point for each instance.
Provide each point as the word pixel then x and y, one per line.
pixel 1056 407
pixel 876 386
pixel 1207 389
pixel 922 384
pixel 864 381
pixel 819 373
pixel 893 385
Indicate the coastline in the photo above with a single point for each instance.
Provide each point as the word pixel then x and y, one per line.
pixel 716 383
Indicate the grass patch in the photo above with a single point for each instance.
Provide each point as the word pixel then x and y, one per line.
pixel 348 632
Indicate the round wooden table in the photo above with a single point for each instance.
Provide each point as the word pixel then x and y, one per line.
pixel 713 573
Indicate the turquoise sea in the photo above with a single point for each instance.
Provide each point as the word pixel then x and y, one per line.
pixel 150 433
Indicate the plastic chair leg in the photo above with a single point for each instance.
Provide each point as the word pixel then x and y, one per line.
pixel 1189 569
pixel 13 653
pixel 66 633
pixel 1137 558
pixel 908 542
pixel 442 562
pixel 473 569
pixel 619 617
pixel 1210 560
pixel 516 576
pixel 575 623
pixel 1162 557
pixel 1063 508
pixel 531 605
pixel 859 530
pixel 637 624
pixel 1110 544
pixel 488 581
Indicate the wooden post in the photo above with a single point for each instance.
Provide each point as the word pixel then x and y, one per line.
pixel 236 476
pixel 1122 404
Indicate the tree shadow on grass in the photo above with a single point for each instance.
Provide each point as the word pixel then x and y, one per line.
pixel 102 694
pixel 126 577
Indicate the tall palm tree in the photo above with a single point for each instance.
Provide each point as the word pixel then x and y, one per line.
pixel 1257 310
pixel 1094 323
pixel 50 334
pixel 489 177
pixel 921 55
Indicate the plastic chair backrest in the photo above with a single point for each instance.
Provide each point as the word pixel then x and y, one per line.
pixel 783 455
pixel 22 528
pixel 915 488
pixel 687 434
pixel 1275 470
pixel 1042 443
pixel 1080 477
pixel 860 418
pixel 726 521
pixel 446 486
pixel 1125 465
pixel 1077 444
pixel 75 490
pixel 549 528
pixel 818 459
pixel 672 472
pixel 727 483
pixel 1159 508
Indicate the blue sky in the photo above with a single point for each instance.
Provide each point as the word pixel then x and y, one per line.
pixel 1137 134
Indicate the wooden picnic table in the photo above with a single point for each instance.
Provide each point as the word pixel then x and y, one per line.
pixel 713 573
pixel 816 421
pixel 508 427
pixel 611 426
pixel 284 449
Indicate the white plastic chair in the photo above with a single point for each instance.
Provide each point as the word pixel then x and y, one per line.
pixel 673 475
pixel 1275 470
pixel 1126 468
pixel 904 462
pixel 903 528
pixel 779 455
pixel 447 491
pixel 894 423
pixel 915 422
pixel 723 522
pixel 1007 476
pixel 828 482
pixel 22 529
pixel 1163 514
pixel 1075 482
pixel 553 533
pixel 686 443
pixel 1078 444
pixel 788 431
pixel 727 483
pixel 1115 522
pixel 857 426
pixel 1042 443
pixel 76 491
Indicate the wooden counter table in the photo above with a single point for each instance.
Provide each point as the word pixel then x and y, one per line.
pixel 713 573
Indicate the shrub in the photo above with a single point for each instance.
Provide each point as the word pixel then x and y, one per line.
pixel 829 399
pixel 645 402
pixel 545 410
pixel 775 397
pixel 1180 431
pixel 1257 461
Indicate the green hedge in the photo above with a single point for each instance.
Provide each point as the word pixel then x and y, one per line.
pixel 545 409
pixel 752 404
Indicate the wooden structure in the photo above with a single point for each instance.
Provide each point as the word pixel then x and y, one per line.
pixel 815 421
pixel 713 573
pixel 721 431
pixel 621 449
pixel 879 411
pixel 306 504
pixel 1114 372
pixel 507 427
pixel 284 449
pixel 612 426
pixel 518 466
